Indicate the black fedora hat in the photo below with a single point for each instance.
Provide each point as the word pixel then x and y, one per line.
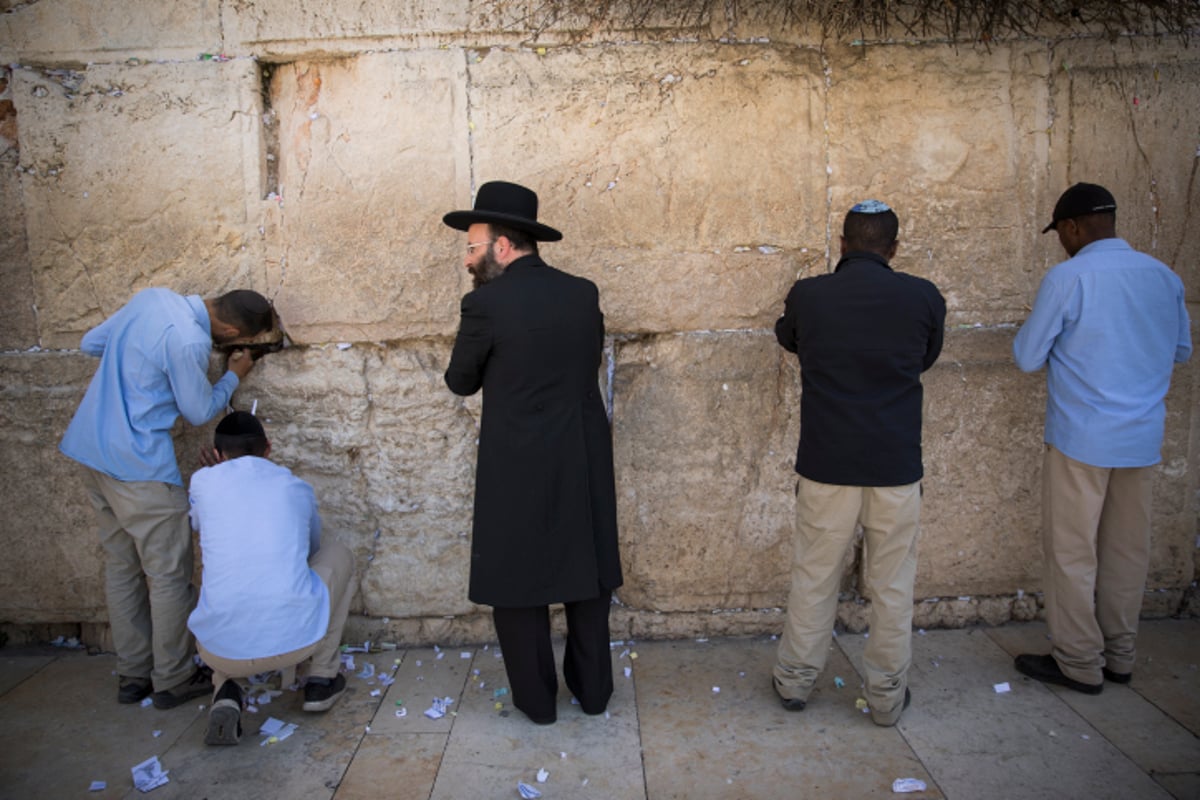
pixel 508 204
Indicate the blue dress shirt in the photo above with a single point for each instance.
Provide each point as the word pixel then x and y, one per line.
pixel 1108 324
pixel 153 367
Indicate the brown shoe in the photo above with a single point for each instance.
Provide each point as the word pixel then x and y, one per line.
pixel 198 685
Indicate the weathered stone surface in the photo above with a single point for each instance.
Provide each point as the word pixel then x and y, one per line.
pixel 135 177
pixel 372 155
pixel 639 155
pixel 53 568
pixel 81 31
pixel 279 28
pixel 1126 118
pixel 951 139
pixel 705 429
pixel 18 328
pixel 982 447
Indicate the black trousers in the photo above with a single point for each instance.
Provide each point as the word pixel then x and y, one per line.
pixel 524 635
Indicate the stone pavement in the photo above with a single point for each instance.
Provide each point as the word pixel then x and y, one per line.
pixel 693 719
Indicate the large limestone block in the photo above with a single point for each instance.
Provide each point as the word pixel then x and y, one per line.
pixel 53 565
pixel 954 140
pixel 137 176
pixel 18 328
pixel 278 28
pixel 982 448
pixel 390 452
pixel 705 431
pixel 83 31
pixel 372 154
pixel 664 165
pixel 1127 113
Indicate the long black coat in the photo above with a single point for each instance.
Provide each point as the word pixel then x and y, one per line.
pixel 545 527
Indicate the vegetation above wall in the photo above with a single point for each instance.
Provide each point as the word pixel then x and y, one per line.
pixel 953 20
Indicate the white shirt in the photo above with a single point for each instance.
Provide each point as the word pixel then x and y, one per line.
pixel 258 527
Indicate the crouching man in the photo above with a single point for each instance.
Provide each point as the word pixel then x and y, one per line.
pixel 272 596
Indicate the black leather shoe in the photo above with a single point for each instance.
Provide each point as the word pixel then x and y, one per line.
pixel 132 690
pixel 1116 677
pixel 198 685
pixel 1046 669
pixel 792 703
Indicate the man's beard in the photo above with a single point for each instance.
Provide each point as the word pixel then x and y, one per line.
pixel 487 269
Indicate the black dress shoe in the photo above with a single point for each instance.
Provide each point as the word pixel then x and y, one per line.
pixel 1046 669
pixel 1116 677
pixel 132 690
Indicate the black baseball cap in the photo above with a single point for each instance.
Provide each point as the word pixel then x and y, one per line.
pixel 1079 201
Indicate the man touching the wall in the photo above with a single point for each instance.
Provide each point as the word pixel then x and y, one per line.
pixel 1109 323
pixel 545 524
pixel 864 334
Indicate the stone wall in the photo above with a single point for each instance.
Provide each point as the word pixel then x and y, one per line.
pixel 309 152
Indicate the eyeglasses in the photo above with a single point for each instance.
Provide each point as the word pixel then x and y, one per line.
pixel 471 247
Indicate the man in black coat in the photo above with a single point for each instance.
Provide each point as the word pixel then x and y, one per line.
pixel 864 334
pixel 545 528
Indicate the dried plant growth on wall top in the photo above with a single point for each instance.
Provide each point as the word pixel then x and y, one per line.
pixel 953 20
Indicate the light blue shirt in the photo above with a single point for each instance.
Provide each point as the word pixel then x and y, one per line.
pixel 258 527
pixel 153 367
pixel 1108 324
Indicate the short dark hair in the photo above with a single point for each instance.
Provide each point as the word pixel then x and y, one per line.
pixel 240 434
pixel 520 239
pixel 246 310
pixel 875 233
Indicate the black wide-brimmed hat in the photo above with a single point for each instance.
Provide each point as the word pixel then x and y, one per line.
pixel 504 203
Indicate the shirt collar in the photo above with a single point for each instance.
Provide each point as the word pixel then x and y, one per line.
pixel 200 311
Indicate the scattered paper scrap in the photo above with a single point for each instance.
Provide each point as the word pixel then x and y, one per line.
pixel 98 786
pixel 147 702
pixel 542 775
pixel 149 775
pixel 275 731
pixel 439 707
pixel 503 690
pixel 376 692
pixel 716 690
pixel 905 785
pixel 465 655
pixel 157 734
pixel 628 671
pixel 528 792
pixel 839 683
pixel 368 671
pixel 1002 688
pixel 401 712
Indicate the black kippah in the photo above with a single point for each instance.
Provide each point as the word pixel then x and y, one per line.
pixel 240 423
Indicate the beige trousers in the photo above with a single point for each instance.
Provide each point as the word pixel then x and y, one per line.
pixel 1096 540
pixel 143 527
pixel 334 563
pixel 826 519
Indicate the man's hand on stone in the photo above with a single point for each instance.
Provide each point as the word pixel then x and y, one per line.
pixel 240 362
pixel 210 457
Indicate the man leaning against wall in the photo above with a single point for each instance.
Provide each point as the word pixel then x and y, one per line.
pixel 864 334
pixel 154 355
pixel 1108 323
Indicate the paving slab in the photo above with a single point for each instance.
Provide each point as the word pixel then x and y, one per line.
pixel 980 743
pixel 739 742
pixel 16 667
pixel 309 763
pixel 61 729
pixel 1158 744
pixel 492 749
pixel 423 675
pixel 393 765
pixel 1168 668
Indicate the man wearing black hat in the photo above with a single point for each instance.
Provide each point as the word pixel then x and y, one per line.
pixel 1108 323
pixel 545 527
pixel 274 594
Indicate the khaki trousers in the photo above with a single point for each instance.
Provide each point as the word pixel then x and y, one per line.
pixel 143 527
pixel 826 518
pixel 334 563
pixel 1096 540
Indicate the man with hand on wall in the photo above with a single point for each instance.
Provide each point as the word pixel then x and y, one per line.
pixel 1108 323
pixel 273 595
pixel 864 334
pixel 154 356
pixel 545 526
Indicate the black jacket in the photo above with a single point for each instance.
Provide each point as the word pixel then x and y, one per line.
pixel 864 334
pixel 545 528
